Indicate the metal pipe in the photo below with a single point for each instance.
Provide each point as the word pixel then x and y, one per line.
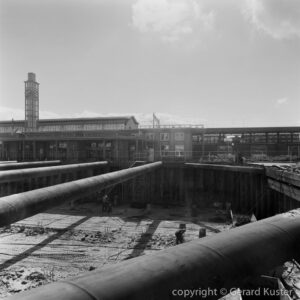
pixel 34 164
pixel 17 175
pixel 221 261
pixel 20 206
pixel 8 161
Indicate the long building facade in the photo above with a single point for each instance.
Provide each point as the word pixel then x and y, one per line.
pixel 122 141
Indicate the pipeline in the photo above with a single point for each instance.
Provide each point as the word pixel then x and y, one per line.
pixel 16 175
pixel 20 206
pixel 221 261
pixel 34 164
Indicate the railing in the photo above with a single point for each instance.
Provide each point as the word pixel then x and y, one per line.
pixel 171 126
pixel 205 155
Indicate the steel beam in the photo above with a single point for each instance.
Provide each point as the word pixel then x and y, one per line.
pixel 17 175
pixel 23 165
pixel 246 169
pixel 221 261
pixel 20 206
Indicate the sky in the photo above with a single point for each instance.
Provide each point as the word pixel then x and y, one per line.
pixel 224 63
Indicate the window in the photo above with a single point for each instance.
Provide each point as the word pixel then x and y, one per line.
pixel 211 138
pixel 179 150
pixel 296 137
pixel 246 138
pixel 225 148
pixel 272 138
pixel 197 138
pixel 150 136
pixel 164 149
pixel 285 137
pixel 179 136
pixel 258 137
pixel 164 136
pixel 62 145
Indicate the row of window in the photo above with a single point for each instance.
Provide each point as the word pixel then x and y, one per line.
pixel 101 145
pixel 165 136
pixel 270 138
pixel 165 150
pixel 75 127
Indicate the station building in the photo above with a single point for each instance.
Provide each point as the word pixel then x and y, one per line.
pixel 122 140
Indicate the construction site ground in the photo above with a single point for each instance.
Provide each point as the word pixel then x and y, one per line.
pixel 66 242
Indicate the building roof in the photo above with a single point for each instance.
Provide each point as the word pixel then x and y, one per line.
pixel 10 122
pixel 73 120
pixel 97 119
pixel 252 129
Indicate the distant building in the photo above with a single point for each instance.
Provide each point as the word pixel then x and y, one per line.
pixel 122 140
pixel 70 139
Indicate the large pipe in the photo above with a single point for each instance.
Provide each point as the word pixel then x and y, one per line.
pixel 8 161
pixel 220 261
pixel 34 164
pixel 20 206
pixel 16 175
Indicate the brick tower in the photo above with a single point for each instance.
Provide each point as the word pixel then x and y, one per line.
pixel 31 102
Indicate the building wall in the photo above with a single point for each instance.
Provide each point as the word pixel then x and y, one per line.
pixel 79 127
pixel 169 143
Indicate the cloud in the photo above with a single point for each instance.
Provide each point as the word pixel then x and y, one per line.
pixel 281 101
pixel 170 19
pixel 49 115
pixel 167 119
pixel 8 113
pixel 276 18
pixel 144 118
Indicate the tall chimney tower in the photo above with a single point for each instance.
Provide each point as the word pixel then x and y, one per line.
pixel 31 102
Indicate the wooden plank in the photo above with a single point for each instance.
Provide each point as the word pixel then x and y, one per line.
pixel 288 190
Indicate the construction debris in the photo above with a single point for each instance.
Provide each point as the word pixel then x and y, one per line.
pixel 291 277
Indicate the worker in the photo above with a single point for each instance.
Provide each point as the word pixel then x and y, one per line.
pixel 105 201
pixel 179 236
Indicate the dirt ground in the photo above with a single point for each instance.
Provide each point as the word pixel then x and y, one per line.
pixel 67 242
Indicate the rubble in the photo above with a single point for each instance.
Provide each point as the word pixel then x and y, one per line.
pixel 94 237
pixel 291 276
pixel 22 279
pixel 48 247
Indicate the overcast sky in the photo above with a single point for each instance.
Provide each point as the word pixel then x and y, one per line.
pixel 216 62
